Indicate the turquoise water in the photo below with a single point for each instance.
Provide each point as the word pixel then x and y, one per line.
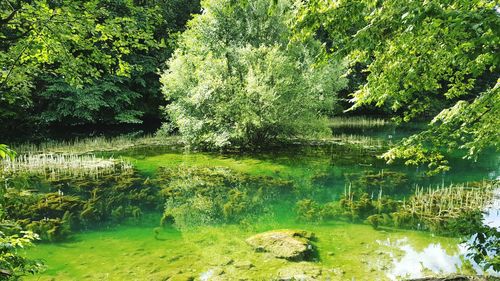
pixel 140 250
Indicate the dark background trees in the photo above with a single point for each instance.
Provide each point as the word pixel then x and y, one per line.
pixel 85 65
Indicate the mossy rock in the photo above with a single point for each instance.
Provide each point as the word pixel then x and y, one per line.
pixel 294 245
pixel 300 271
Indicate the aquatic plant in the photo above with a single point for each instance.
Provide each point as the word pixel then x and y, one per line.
pixel 361 140
pixel 308 210
pixel 64 204
pixel 360 207
pixel 378 183
pixel 206 195
pixel 93 144
pixel 357 122
pixel 436 208
pixel 54 165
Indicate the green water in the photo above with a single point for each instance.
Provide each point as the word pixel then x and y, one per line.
pixel 346 251
pixel 132 253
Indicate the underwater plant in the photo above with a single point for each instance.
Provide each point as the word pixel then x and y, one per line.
pixel 55 207
pixel 208 195
pixel 383 182
pixel 308 210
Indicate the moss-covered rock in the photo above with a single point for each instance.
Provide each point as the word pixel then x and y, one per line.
pixel 300 271
pixel 287 244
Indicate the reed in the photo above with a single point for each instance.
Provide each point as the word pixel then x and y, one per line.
pixel 357 122
pixel 53 165
pixel 359 140
pixel 93 144
pixel 445 203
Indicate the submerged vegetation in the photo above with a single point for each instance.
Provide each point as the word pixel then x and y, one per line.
pixel 196 191
pixel 56 206
pixel 204 195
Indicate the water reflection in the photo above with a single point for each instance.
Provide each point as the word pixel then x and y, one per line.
pixel 407 262
pixel 492 211
pixel 434 259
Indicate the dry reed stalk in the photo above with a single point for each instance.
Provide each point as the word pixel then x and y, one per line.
pixel 54 165
pixel 449 202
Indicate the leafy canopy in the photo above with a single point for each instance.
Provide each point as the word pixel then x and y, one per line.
pixel 421 58
pixel 238 80
pixel 84 62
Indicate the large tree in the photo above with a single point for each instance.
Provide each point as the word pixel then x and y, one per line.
pixel 239 80
pixel 84 62
pixel 421 58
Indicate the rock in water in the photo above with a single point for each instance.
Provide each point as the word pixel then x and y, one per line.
pixel 299 272
pixel 287 244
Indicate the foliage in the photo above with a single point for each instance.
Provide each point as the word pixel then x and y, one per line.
pixel 85 62
pixel 238 80
pixel 421 57
pixel 468 126
pixel 13 264
pixel 5 152
pixel 484 247
pixel 54 34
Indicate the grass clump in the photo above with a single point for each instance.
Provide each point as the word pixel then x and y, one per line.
pixel 93 144
pixel 357 122
pixel 359 140
pixel 440 209
pixel 53 165
pixel 378 183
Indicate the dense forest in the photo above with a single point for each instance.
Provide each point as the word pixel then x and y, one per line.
pixel 396 85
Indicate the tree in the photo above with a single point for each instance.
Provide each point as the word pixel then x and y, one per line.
pixel 435 58
pixel 422 58
pixel 238 80
pixel 84 62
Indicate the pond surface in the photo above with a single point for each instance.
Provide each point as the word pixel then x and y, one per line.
pixel 346 251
